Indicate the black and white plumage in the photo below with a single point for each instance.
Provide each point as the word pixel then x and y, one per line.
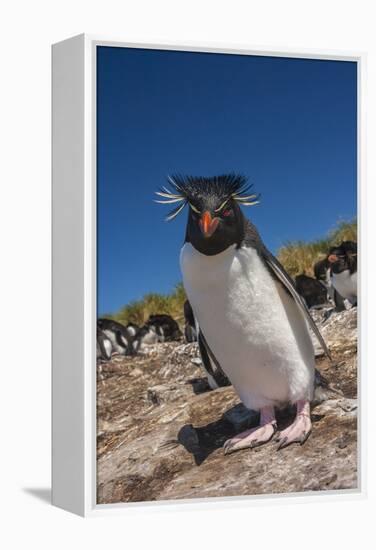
pixel 214 372
pixel 190 332
pixel 132 329
pixel 158 328
pixel 121 338
pixel 344 270
pixel 167 325
pixel 215 375
pixel 249 313
pixel 321 271
pixel 104 346
pixel 147 335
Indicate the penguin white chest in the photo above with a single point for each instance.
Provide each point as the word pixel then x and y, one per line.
pixel 346 284
pixel 252 325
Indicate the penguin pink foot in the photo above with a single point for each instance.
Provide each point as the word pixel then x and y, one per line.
pixel 255 436
pixel 300 429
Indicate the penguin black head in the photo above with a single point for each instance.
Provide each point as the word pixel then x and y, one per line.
pixel 215 220
pixel 343 257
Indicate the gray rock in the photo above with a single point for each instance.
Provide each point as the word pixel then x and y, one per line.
pixel 339 329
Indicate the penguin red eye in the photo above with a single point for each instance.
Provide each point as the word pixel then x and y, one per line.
pixel 226 213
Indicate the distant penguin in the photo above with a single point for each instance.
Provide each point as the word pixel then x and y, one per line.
pixel 313 292
pixel 147 335
pixel 190 324
pixel 168 325
pixel 121 338
pixel 321 270
pixel 104 346
pixel 253 321
pixel 158 328
pixel 132 329
pixel 343 270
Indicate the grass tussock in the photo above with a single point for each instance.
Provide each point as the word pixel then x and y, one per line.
pixel 139 311
pixel 299 257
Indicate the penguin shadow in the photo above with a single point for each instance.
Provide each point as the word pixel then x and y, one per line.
pixel 201 442
pixel 199 385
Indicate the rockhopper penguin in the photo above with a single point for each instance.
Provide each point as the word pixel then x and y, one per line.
pixel 252 321
pixel 343 270
pixel 120 336
pixel 104 346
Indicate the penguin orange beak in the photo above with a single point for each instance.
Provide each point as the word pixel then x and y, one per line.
pixel 208 224
pixel 332 258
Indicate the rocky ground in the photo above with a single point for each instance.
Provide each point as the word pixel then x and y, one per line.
pixel 161 429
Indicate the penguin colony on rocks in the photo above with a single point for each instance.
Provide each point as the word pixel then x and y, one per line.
pixel 252 324
pixel 335 274
pixel 115 338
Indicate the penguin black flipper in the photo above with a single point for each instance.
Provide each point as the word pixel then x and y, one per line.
pixel 209 359
pixel 283 277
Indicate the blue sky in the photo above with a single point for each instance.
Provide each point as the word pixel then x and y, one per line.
pixel 288 124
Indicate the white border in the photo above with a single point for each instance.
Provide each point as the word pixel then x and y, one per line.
pixel 89 120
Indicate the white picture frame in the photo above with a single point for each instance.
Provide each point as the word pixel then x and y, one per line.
pixel 74 274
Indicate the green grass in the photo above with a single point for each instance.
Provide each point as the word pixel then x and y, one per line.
pixel 297 257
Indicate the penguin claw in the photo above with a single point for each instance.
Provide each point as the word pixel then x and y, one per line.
pixel 285 442
pixel 231 447
pixel 282 443
pixel 296 433
pixel 304 437
pixel 227 447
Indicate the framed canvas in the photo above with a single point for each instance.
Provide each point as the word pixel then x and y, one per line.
pixel 212 358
